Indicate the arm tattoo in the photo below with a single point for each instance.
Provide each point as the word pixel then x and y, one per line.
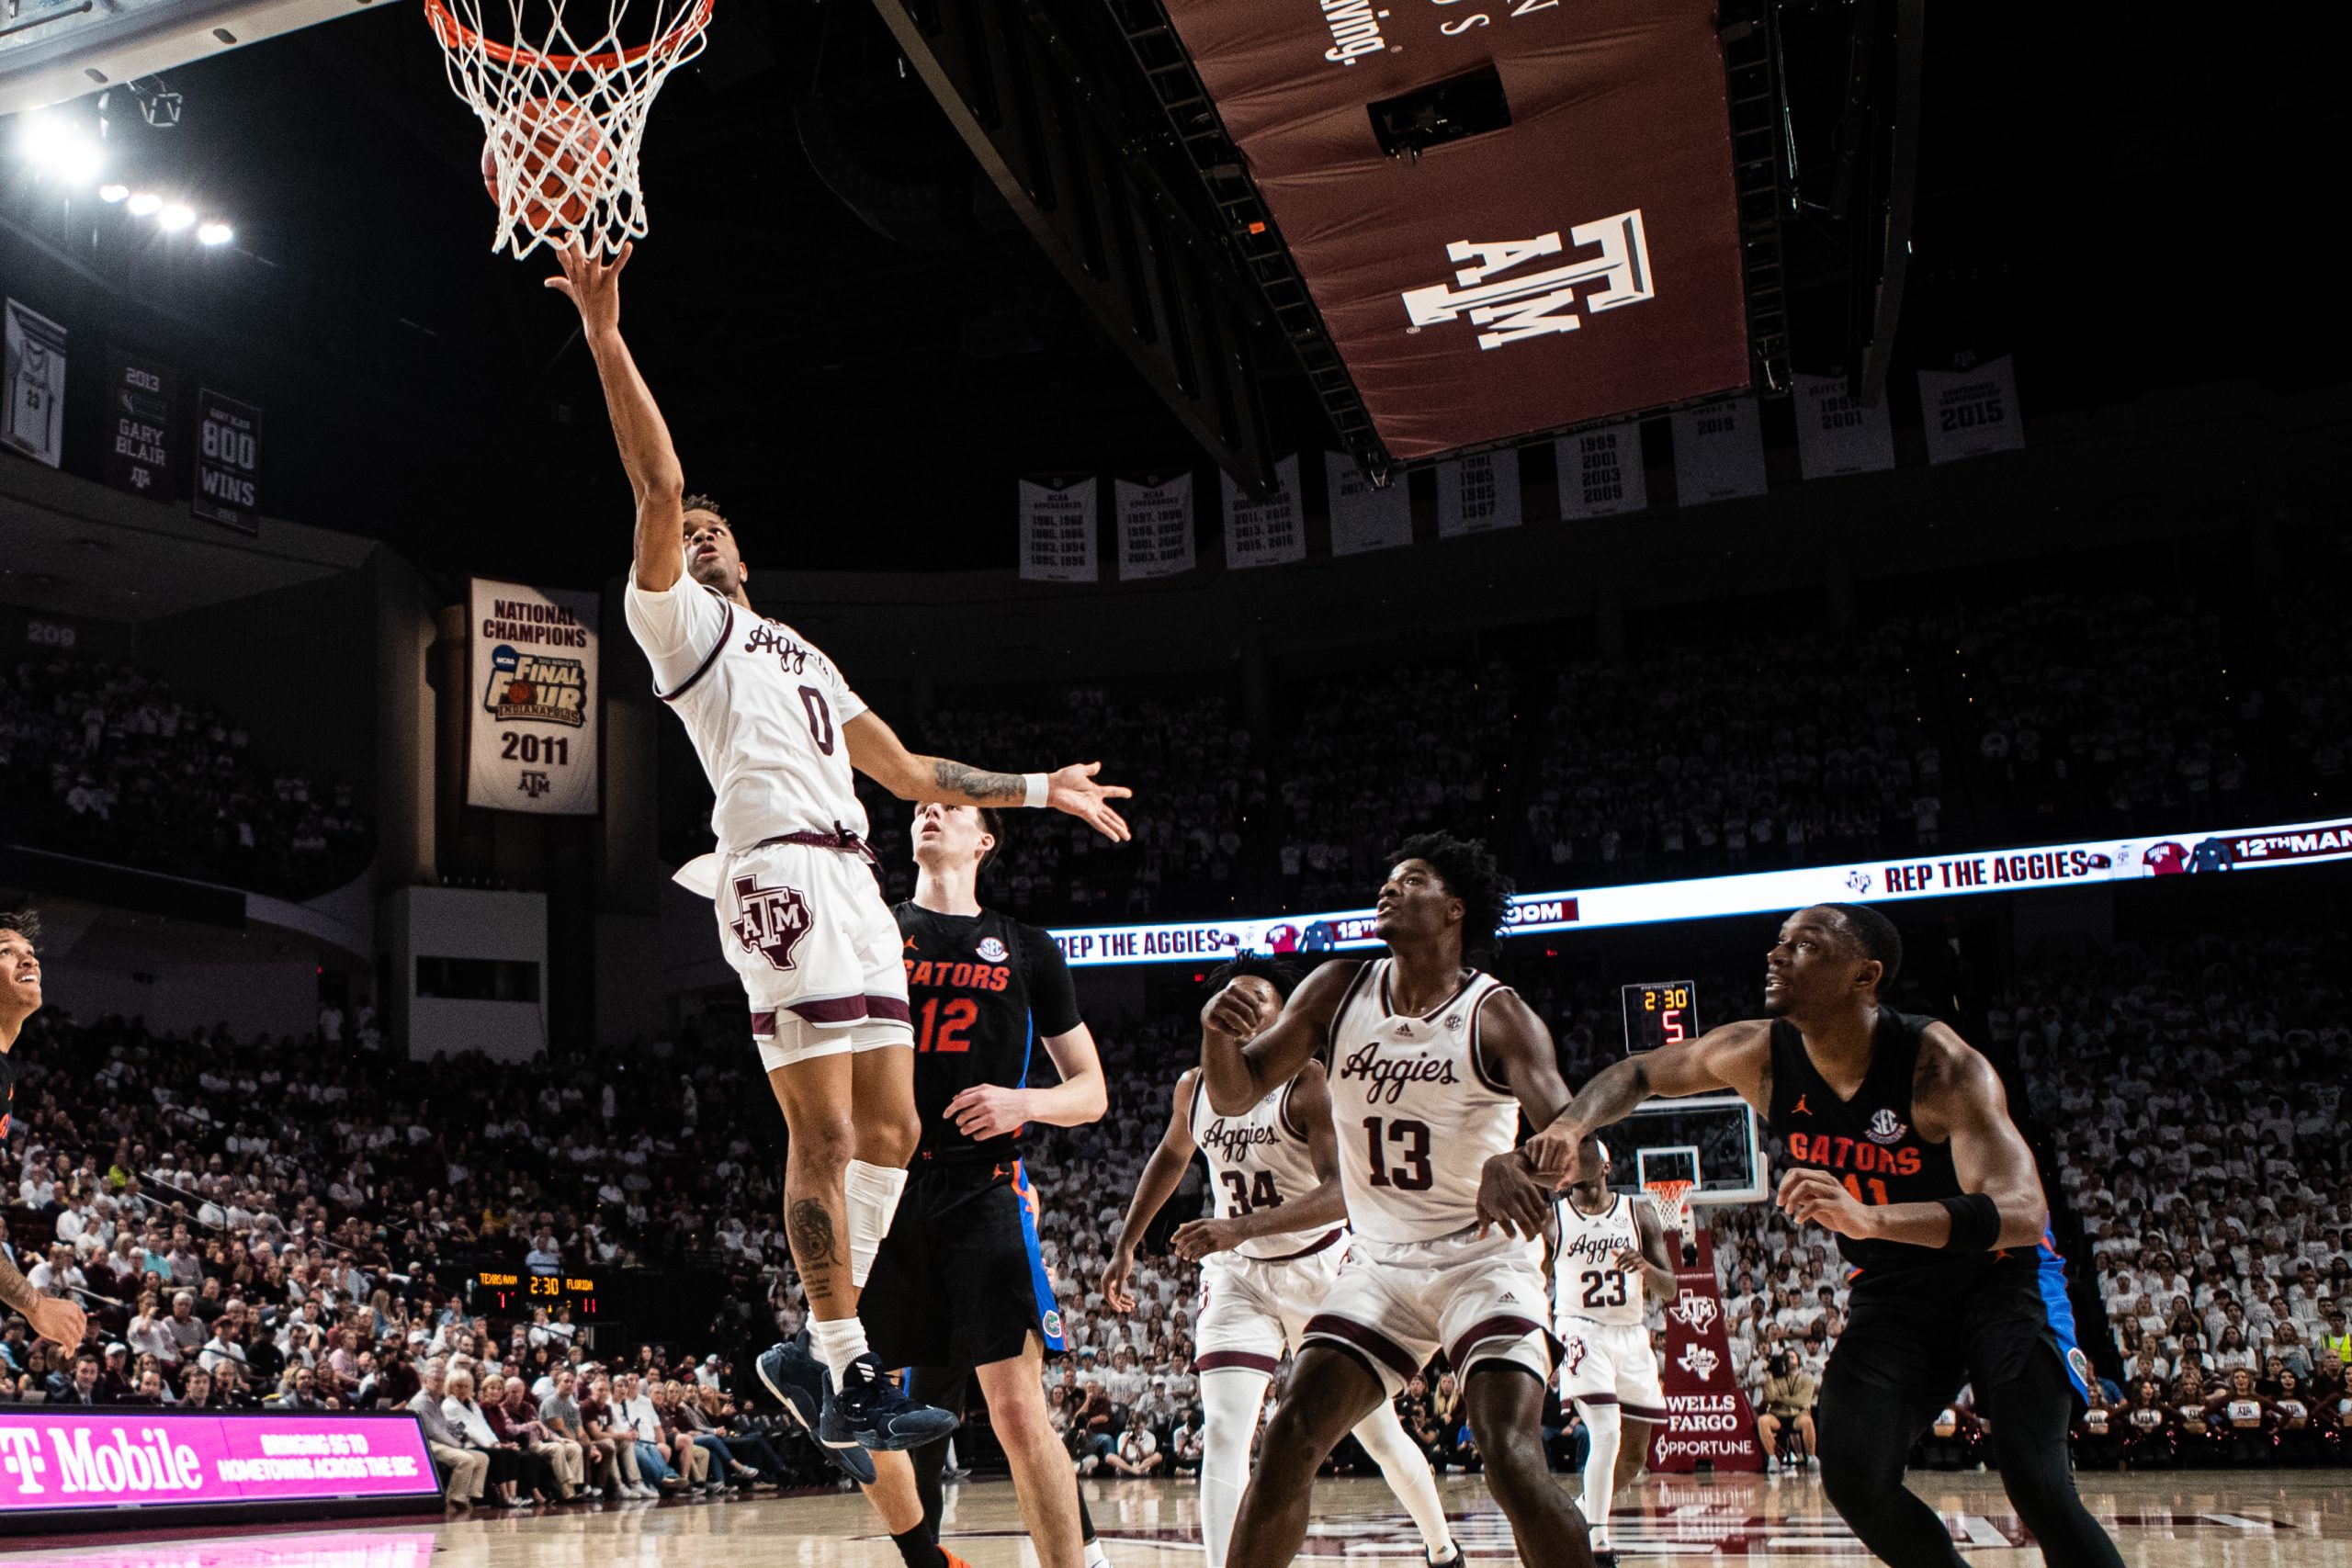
pixel 15 1291
pixel 985 789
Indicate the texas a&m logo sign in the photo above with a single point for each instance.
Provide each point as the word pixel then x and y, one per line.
pixel 768 921
pixel 1539 302
pixel 1694 1311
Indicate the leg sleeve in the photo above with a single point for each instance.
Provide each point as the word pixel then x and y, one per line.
pixel 2029 1415
pixel 1878 1393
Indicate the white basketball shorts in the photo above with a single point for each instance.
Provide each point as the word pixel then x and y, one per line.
pixel 1478 1299
pixel 1252 1309
pixel 817 949
pixel 1611 1363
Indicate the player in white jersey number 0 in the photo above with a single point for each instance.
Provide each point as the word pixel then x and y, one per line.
pixel 801 918
pixel 1432 1064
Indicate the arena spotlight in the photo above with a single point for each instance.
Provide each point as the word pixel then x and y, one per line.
pixel 145 203
pixel 215 232
pixel 111 194
pixel 56 146
pixel 175 217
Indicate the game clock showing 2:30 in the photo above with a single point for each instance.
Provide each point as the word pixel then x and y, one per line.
pixel 1660 1012
pixel 518 1291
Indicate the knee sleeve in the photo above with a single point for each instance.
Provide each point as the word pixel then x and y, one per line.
pixel 1230 1399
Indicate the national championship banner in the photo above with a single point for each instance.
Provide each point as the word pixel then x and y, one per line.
pixel 34 369
pixel 1836 432
pixel 1365 516
pixel 536 700
pixel 64 1460
pixel 1707 1416
pixel 1155 527
pixel 1057 530
pixel 1477 494
pixel 1970 412
pixel 1718 452
pixel 1600 472
pixel 1473 298
pixel 227 461
pixel 1893 878
pixel 142 407
pixel 1267 532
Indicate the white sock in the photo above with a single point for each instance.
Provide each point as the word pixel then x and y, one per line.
pixel 1601 1424
pixel 1229 1400
pixel 1408 1471
pixel 870 1195
pixel 1095 1556
pixel 838 1341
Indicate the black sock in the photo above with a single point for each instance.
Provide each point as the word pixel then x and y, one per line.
pixel 917 1550
pixel 1085 1521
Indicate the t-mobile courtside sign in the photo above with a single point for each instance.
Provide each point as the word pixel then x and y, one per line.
pixel 2205 852
pixel 112 1458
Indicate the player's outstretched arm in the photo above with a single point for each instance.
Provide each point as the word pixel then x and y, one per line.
pixel 593 286
pixel 1955 1092
pixel 1734 1057
pixel 1162 1174
pixel 51 1317
pixel 1326 1205
pixel 875 750
pixel 1245 1056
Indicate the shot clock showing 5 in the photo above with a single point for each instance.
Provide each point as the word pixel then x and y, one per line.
pixel 1660 1012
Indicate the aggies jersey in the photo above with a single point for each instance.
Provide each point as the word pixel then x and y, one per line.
pixel 764 709
pixel 982 989
pixel 1417 1113
pixel 1259 1159
pixel 1586 1279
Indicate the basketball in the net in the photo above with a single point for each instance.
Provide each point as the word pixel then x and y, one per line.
pixel 549 144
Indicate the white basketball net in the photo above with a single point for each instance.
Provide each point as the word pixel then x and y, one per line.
pixel 1673 1198
pixel 533 81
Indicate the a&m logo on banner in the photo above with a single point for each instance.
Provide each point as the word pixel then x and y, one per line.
pixel 1533 304
pixel 534 688
pixel 1695 1311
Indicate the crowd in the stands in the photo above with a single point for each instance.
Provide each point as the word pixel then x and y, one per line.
pixel 105 761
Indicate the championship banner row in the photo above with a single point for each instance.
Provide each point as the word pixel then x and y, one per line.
pixel 1766 892
pixel 1718 455
pixel 156 435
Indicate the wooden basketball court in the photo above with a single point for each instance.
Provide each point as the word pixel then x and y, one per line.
pixel 2206 1520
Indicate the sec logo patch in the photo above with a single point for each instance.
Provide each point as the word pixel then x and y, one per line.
pixel 991 951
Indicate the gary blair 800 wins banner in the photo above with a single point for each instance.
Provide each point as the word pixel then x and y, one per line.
pixel 535 698
pixel 1576 255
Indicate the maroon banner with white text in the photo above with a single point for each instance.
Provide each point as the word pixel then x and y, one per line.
pixel 1707 1417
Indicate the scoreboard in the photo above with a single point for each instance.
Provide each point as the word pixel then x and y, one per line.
pixel 1660 1012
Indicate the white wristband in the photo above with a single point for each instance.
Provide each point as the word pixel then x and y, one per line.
pixel 1033 789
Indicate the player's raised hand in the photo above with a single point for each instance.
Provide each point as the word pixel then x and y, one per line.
pixel 1115 1287
pixel 593 284
pixel 1073 789
pixel 57 1320
pixel 1817 1198
pixel 1235 1012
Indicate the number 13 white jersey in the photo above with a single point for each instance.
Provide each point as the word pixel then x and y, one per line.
pixel 1417 1113
pixel 765 708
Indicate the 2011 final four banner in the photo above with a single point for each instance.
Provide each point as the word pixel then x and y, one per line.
pixel 533 740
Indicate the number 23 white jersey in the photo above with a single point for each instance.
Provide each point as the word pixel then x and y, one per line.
pixel 1587 1282
pixel 764 707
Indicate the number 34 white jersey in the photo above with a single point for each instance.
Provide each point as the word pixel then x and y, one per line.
pixel 765 708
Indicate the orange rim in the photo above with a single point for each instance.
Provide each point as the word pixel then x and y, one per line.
pixel 455 35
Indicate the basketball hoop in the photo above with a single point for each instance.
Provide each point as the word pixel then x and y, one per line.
pixel 563 107
pixel 1673 1199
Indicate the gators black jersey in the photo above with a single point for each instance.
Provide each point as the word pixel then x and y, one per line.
pixel 982 989
pixel 1869 1143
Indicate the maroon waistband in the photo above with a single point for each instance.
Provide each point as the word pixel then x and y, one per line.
pixel 840 838
pixel 1336 1232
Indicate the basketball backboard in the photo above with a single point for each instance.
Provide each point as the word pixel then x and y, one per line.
pixel 1717 1133
pixel 54 50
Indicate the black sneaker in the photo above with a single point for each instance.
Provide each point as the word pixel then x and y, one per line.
pixel 1606 1558
pixel 804 1387
pixel 869 1411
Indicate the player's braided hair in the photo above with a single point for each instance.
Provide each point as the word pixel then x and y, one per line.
pixel 1468 869
pixel 25 922
pixel 1876 936
pixel 1278 971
